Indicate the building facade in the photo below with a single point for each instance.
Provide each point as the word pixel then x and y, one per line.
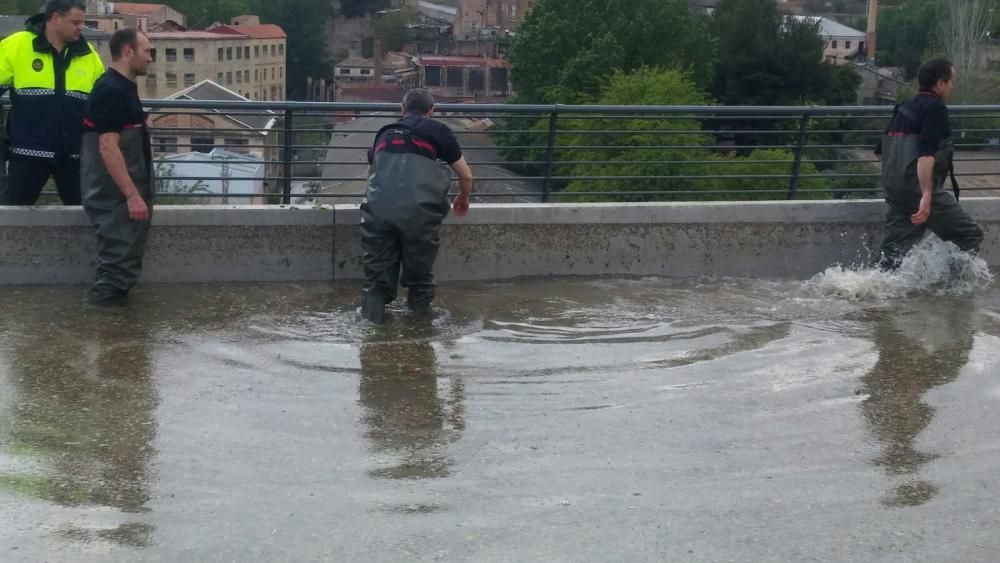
pixel 249 60
pixel 843 44
pixel 481 19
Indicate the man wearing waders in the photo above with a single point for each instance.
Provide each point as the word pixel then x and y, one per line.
pixel 916 152
pixel 117 170
pixel 405 203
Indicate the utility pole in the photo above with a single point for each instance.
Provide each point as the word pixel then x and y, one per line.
pixel 871 35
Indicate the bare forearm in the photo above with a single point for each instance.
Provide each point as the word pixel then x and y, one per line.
pixel 464 173
pixel 465 185
pixel 925 174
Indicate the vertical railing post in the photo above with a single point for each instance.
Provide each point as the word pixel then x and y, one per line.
pixel 550 155
pixel 3 152
pixel 286 179
pixel 793 184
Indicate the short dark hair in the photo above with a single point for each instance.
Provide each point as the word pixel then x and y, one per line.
pixel 934 71
pixel 124 36
pixel 62 7
pixel 418 100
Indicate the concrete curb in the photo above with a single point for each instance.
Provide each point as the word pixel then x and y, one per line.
pixel 497 241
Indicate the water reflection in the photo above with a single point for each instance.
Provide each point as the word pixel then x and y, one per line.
pixel 83 421
pixel 411 412
pixel 921 345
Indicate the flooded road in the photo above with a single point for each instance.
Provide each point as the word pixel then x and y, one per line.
pixel 536 420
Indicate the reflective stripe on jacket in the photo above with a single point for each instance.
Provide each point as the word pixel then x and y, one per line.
pixel 49 91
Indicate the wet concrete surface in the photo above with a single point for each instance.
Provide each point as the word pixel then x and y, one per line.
pixel 537 420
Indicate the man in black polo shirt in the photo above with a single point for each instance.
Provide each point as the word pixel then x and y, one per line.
pixel 405 203
pixel 117 169
pixel 916 153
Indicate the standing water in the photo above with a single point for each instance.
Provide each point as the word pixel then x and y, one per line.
pixel 848 417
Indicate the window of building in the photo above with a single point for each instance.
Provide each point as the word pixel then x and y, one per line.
pixel 246 52
pixel 272 51
pixel 171 80
pixel 239 53
pixel 239 77
pixel 189 55
pixel 366 71
pixel 246 76
pixel 241 146
pixel 202 144
pixel 229 78
pixel 218 78
pixel 847 44
pixel 256 75
pixel 171 55
pixel 833 44
pixel 116 26
pixel 281 72
pixel 165 144
pixel 151 82
pixel 220 53
pixel 229 53
pixel 345 71
pixel 189 79
pixel 274 92
pixel 272 73
pixel 152 54
pixel 281 49
pixel 256 51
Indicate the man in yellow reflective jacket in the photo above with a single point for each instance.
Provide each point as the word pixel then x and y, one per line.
pixel 50 70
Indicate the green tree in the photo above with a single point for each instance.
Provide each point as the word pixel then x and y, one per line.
pixel 304 21
pixel 394 30
pixel 905 32
pixel 768 59
pixel 648 147
pixel 767 171
pixel 564 50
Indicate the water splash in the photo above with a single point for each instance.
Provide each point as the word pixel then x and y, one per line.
pixel 932 267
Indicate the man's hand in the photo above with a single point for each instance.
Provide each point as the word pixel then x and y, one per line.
pixel 923 212
pixel 461 204
pixel 137 209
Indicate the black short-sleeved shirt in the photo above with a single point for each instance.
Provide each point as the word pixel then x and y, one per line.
pixel 933 124
pixel 114 104
pixel 438 135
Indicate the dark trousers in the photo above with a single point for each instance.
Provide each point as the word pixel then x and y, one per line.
pixel 947 220
pixel 121 243
pixel 27 176
pixel 387 249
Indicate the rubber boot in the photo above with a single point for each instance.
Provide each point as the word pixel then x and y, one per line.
pixel 373 308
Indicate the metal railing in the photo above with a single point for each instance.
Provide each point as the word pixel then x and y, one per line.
pixel 303 151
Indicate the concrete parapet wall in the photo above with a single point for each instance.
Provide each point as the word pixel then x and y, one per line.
pixel 258 243
pixel 186 244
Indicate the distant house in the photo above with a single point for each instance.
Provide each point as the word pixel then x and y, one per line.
pixel 177 131
pixel 464 77
pixel 843 43
pixel 234 130
pixel 226 173
pixel 397 68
